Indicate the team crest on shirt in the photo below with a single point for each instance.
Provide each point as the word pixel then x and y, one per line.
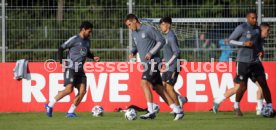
pixel 71 79
pixel 83 51
pixel 248 35
pixel 167 41
pixel 143 35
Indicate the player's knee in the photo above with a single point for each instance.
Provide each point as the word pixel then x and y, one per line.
pixel 68 90
pixel 144 83
pixel 169 88
pixel 82 93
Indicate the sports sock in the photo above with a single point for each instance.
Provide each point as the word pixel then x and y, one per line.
pixel 72 108
pixel 176 109
pixel 259 104
pixel 219 99
pixel 150 107
pixel 52 103
pixel 236 105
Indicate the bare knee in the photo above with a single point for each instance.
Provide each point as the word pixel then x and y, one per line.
pixel 144 83
pixel 169 88
pixel 82 93
pixel 68 90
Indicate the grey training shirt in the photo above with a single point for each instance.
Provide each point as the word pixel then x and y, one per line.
pixel 78 50
pixel 241 34
pixel 147 39
pixel 171 50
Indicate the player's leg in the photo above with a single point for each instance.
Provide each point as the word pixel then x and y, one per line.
pixel 81 92
pixel 170 82
pixel 161 90
pixel 265 89
pixel 80 81
pixel 239 94
pixel 244 71
pixel 260 99
pixel 68 83
pixel 260 74
pixel 148 95
pixel 230 92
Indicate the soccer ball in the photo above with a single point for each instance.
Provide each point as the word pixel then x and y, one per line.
pixel 97 111
pixel 156 108
pixel 131 114
pixel 267 111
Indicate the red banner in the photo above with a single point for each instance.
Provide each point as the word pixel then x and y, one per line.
pixel 112 87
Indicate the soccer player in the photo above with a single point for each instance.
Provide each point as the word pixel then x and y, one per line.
pixel 247 37
pixel 74 76
pixel 264 27
pixel 171 55
pixel 148 42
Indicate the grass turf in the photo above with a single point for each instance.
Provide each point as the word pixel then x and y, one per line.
pixel 116 121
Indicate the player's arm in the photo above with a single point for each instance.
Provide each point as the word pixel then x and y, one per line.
pixel 175 49
pixel 63 47
pixel 261 48
pixel 160 41
pixel 233 39
pixel 91 56
pixel 134 50
pixel 60 54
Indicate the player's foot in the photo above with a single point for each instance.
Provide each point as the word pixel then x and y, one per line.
pixel 182 100
pixel 49 110
pixel 148 116
pixel 258 111
pixel 71 115
pixel 178 116
pixel 238 112
pixel 215 107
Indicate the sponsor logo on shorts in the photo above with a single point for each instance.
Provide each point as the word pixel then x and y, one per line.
pixel 241 77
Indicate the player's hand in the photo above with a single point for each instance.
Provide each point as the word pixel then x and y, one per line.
pixel 165 67
pixel 148 56
pixel 248 43
pixel 131 55
pixel 260 54
pixel 96 58
pixel 226 41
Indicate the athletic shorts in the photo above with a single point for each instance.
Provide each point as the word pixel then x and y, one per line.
pixel 152 74
pixel 75 78
pixel 249 70
pixel 170 77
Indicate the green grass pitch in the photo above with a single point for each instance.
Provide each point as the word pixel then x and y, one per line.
pixel 116 121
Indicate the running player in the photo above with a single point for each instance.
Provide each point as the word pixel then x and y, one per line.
pixel 148 42
pixel 247 36
pixel 264 34
pixel 74 76
pixel 171 55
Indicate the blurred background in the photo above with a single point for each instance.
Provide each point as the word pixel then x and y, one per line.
pixel 34 29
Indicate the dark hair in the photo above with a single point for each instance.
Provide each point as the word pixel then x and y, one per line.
pixel 264 25
pixel 131 17
pixel 166 20
pixel 251 12
pixel 86 25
